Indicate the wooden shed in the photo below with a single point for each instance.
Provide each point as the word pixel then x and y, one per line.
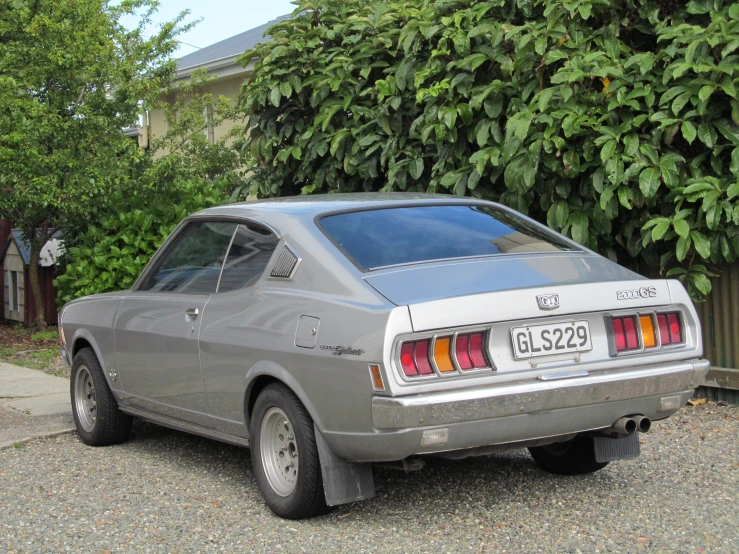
pixel 18 303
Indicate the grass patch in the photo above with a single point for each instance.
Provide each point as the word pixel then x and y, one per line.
pixel 19 445
pixel 49 334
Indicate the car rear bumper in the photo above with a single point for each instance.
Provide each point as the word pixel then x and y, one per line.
pixel 519 412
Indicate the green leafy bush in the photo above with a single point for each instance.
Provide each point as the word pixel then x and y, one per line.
pixel 613 121
pixel 181 174
pixel 111 255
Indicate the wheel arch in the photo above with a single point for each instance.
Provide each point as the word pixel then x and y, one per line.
pixel 262 375
pixel 83 339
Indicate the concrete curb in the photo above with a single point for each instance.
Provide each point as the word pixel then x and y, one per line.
pixel 26 440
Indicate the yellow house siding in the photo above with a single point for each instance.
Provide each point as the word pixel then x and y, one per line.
pixel 223 86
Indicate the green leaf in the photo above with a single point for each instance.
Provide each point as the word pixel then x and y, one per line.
pixel 465 113
pixel 701 282
pixel 580 224
pixel 660 229
pixel 689 132
pixel 705 92
pixel 275 95
pixel 701 243
pixel 562 213
pixel 682 228
pixel 649 181
pixel 609 148
pixel 707 134
pixel 416 168
pixel 682 248
pixel 650 153
pixel 286 89
pixel 544 97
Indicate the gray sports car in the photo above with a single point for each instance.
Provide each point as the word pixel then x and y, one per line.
pixel 330 332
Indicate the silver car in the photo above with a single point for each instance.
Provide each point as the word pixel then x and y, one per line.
pixel 331 332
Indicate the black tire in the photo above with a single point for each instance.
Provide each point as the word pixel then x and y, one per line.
pixel 574 457
pixel 110 426
pixel 307 499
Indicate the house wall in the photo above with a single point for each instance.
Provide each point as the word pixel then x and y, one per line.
pixel 222 86
pixel 14 262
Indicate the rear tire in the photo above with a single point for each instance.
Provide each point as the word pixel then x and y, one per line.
pixel 97 417
pixel 574 457
pixel 284 455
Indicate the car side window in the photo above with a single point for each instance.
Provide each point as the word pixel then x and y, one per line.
pixel 193 263
pixel 250 252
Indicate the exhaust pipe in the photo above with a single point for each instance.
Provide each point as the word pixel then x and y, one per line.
pixel 625 426
pixel 643 424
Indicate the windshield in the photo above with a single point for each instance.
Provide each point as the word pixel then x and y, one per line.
pixel 396 236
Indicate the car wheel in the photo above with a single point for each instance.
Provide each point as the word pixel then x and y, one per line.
pixel 97 417
pixel 574 457
pixel 284 455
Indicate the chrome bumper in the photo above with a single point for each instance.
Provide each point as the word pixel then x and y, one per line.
pixel 487 403
pixel 64 356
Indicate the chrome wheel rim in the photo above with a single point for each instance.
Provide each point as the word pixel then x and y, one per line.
pixel 279 451
pixel 85 402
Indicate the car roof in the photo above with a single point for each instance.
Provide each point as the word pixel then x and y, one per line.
pixel 310 206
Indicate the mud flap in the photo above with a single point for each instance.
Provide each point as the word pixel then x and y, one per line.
pixel 609 450
pixel 343 481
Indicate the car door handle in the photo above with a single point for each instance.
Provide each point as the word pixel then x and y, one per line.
pixel 192 313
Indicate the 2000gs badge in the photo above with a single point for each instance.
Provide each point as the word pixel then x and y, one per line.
pixel 222 335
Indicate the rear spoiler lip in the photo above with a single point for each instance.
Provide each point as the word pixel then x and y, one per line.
pixel 521 304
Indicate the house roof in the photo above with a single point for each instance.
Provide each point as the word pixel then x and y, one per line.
pixel 228 49
pixel 49 253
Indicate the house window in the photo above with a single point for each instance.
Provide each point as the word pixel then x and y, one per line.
pixel 13 290
pixel 210 131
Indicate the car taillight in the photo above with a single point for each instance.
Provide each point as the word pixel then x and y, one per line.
pixel 670 328
pixel 477 352
pixel 406 359
pixel 637 332
pixel 450 353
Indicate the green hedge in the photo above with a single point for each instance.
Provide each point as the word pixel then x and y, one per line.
pixel 109 256
pixel 615 122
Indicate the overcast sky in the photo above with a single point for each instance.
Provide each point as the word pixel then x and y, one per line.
pixel 220 19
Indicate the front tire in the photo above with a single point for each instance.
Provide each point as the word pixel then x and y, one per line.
pixel 97 417
pixel 284 455
pixel 574 457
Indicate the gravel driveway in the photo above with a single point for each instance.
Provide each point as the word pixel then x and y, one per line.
pixel 165 491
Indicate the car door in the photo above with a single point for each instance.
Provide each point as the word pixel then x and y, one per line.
pixel 157 324
pixel 238 325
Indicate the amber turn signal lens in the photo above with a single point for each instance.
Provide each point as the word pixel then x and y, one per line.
pixel 442 354
pixel 647 331
pixel 376 376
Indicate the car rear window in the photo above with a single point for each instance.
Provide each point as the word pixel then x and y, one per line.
pixel 394 236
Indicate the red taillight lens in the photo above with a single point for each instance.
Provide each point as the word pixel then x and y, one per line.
pixel 664 333
pixel 422 358
pixel 632 341
pixel 461 349
pixel 618 333
pixel 407 361
pixel 625 333
pixel 477 350
pixel 670 328
pixel 675 329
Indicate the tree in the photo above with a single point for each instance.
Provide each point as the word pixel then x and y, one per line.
pixel 616 122
pixel 72 77
pixel 183 172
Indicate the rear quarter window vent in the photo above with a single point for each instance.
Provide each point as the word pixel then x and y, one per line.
pixel 286 264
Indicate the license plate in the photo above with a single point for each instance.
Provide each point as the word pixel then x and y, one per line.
pixel 551 339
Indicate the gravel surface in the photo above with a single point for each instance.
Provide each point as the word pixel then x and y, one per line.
pixel 165 491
